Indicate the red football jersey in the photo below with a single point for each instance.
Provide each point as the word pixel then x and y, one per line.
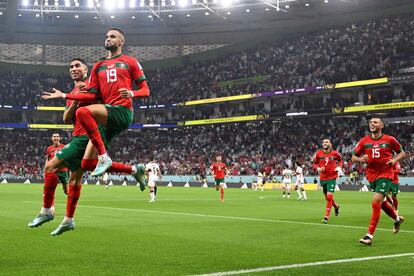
pixel 397 170
pixel 219 170
pixel 109 75
pixel 50 153
pixel 379 152
pixel 78 130
pixel 330 161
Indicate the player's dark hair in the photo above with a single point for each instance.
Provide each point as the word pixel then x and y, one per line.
pixel 117 29
pixel 80 60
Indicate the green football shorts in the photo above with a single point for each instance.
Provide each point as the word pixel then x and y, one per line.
pixel 119 119
pixel 63 177
pixel 381 186
pixel 72 153
pixel 328 185
pixel 394 189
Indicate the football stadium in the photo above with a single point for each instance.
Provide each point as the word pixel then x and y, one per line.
pixel 207 137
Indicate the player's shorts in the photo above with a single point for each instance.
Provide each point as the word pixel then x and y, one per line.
pixel 63 177
pixel 119 119
pixel 219 181
pixel 328 185
pixel 394 189
pixel 299 183
pixel 286 184
pixel 151 183
pixel 381 186
pixel 72 153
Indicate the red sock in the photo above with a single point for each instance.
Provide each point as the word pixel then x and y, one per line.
pixel 387 208
pixel 49 187
pixel 395 202
pixel 120 168
pixel 389 200
pixel 222 194
pixel 72 200
pixel 89 124
pixel 329 199
pixel 90 164
pixel 376 213
pixel 334 204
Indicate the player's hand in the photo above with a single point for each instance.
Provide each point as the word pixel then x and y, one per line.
pixel 56 94
pixel 81 86
pixel 391 162
pixel 321 169
pixel 65 188
pixel 125 93
pixel 364 158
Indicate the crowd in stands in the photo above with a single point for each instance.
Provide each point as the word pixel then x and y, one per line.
pixel 246 147
pixel 356 51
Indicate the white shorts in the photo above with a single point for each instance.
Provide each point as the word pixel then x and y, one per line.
pixel 286 185
pixel 151 183
pixel 299 183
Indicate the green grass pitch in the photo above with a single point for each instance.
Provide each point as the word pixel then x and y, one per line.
pixel 189 231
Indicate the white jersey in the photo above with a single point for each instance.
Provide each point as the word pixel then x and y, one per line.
pixel 153 170
pixel 299 175
pixel 287 175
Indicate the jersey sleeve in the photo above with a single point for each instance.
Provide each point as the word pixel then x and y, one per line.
pixel 93 86
pixel 395 145
pixel 359 148
pixel 136 70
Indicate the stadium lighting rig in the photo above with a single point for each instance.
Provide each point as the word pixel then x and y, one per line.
pixel 155 7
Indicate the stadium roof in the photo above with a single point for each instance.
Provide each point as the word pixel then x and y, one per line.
pixel 219 21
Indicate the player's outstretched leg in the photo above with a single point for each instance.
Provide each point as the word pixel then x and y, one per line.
pixel 389 210
pixel 137 171
pixel 299 192
pixel 222 193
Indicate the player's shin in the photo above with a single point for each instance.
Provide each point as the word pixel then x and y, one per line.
pixel 49 188
pixel 389 210
pixel 375 216
pixel 72 200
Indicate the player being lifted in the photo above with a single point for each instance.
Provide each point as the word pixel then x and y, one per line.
pixel 287 174
pixel 112 81
pixel 300 182
pixel 71 156
pixel 219 171
pixel 377 151
pixel 153 175
pixel 327 162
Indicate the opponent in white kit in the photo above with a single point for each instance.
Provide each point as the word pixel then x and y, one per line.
pixel 153 175
pixel 300 180
pixel 286 181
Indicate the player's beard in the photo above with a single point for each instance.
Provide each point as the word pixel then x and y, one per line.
pixel 112 48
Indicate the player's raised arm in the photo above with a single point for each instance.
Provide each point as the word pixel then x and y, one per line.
pixel 57 94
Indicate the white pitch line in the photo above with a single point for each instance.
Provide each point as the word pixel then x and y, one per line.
pixel 226 217
pixel 272 268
